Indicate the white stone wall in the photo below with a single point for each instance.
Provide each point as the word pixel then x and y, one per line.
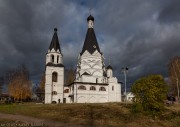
pixel 66 95
pixel 114 90
pixel 115 95
pixel 90 96
pixel 54 86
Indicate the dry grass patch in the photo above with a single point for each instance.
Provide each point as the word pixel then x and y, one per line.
pixel 100 115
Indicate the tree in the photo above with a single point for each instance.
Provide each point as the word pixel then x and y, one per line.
pixel 42 83
pixel 19 84
pixel 150 92
pixel 70 76
pixel 1 84
pixel 174 75
pixel 40 91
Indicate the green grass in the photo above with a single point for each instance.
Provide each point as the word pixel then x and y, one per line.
pixel 110 114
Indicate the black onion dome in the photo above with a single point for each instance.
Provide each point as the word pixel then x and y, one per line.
pixel 90 18
pixel 109 67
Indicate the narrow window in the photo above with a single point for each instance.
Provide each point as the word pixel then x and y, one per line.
pixel 54 93
pixel 57 59
pixel 54 76
pixel 112 88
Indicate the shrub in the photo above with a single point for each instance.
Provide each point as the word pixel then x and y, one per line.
pixel 149 94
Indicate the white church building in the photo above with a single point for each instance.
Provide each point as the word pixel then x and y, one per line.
pixel 93 83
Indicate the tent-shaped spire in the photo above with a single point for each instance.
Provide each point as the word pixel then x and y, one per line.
pixel 90 43
pixel 55 42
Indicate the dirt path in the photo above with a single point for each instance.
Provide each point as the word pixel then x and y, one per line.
pixel 34 122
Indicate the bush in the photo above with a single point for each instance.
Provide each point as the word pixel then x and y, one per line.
pixel 136 108
pixel 149 94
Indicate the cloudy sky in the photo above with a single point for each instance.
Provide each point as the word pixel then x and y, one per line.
pixel 141 34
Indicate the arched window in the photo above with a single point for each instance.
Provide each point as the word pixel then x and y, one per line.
pixel 66 91
pixel 102 89
pixel 92 88
pixel 54 76
pixel 54 93
pixel 52 58
pixel 81 88
pixel 112 88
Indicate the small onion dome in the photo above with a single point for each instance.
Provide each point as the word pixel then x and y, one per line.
pixel 90 18
pixel 55 29
pixel 109 67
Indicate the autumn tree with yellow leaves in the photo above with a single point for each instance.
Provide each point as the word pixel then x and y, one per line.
pixel 19 83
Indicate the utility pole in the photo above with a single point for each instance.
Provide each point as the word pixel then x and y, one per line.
pixel 125 70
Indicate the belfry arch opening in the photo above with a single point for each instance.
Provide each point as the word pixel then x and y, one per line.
pixel 52 58
pixel 57 59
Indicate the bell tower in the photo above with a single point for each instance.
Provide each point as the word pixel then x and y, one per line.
pixel 54 74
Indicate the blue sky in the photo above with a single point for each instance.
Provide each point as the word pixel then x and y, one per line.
pixel 140 34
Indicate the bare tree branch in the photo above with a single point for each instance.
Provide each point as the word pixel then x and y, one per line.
pixel 174 75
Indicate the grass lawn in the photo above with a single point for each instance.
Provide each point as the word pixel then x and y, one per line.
pixel 109 114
